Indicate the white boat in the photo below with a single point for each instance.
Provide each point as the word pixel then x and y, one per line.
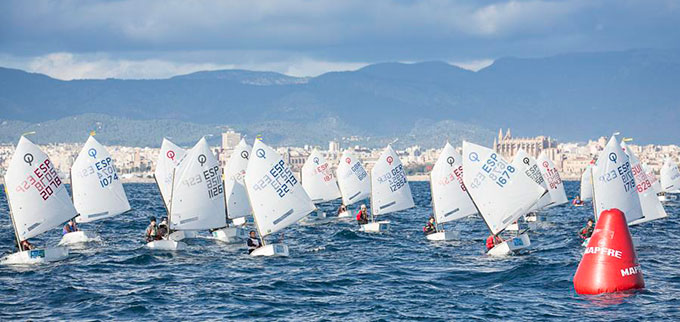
pixel 353 181
pixel 197 196
pixel 670 177
pixel 97 191
pixel 38 202
pixel 390 191
pixel 450 201
pixel 553 181
pixel 587 183
pixel 277 198
pixel 501 193
pixel 526 164
pixel 614 183
pixel 652 209
pixel 237 204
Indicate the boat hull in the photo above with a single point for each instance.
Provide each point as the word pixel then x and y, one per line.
pixel 183 234
pixel 271 250
pixel 442 235
pixel 76 237
pixel 239 221
pixel 166 244
pixel 230 234
pixel 513 227
pixel 375 227
pixel 345 214
pixel 511 246
pixel 36 256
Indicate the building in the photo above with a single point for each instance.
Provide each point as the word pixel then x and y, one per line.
pixel 507 146
pixel 230 139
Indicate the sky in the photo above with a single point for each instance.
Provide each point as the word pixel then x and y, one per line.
pixel 162 38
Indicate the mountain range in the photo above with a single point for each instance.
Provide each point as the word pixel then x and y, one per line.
pixel 572 97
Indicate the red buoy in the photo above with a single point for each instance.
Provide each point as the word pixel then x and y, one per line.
pixel 609 263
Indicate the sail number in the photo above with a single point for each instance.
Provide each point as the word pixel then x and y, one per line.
pixel 396 178
pixel 324 171
pixel 212 179
pixel 553 176
pixel 643 181
pixel 44 179
pixel 624 172
pixel 535 174
pixel 280 178
pixel 496 169
pixel 359 171
pixel 456 175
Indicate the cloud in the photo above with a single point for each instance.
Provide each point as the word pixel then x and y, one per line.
pixel 312 35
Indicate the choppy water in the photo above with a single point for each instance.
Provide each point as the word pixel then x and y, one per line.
pixel 336 273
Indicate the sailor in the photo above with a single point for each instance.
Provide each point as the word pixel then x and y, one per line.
pixel 587 231
pixel 492 241
pixel 25 245
pixel 163 228
pixel 253 242
pixel 362 215
pixel 430 228
pixel 70 227
pixel 342 209
pixel 152 230
pixel 577 201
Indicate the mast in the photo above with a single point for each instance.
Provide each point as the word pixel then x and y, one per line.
pixel 14 224
pixel 257 226
pixel 226 202
pixel 371 199
pixel 592 186
pixel 172 191
pixel 434 210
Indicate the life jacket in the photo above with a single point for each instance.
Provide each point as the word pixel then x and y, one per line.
pixel 489 242
pixel 359 215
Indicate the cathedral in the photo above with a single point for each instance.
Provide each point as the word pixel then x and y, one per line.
pixel 507 146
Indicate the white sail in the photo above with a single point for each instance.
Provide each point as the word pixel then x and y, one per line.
pixel 97 191
pixel 528 165
pixel 450 200
pixel 587 183
pixel 552 178
pixel 234 186
pixel 649 202
pixel 197 197
pixel 277 198
pixel 390 191
pixel 37 196
pixel 167 161
pixel 614 185
pixel 670 177
pixel 318 179
pixel 656 184
pixel 502 194
pixel 353 179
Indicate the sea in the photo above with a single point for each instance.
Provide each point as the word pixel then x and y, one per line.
pixel 335 273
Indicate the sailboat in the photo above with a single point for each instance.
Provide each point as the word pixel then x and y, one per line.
pixel 649 202
pixel 587 183
pixel 197 196
pixel 554 183
pixel 237 203
pixel 450 200
pixel 390 191
pixel 319 183
pixel 168 159
pixel 500 193
pixel 277 198
pixel 670 178
pixel 97 191
pixel 526 164
pixel 38 202
pixel 353 181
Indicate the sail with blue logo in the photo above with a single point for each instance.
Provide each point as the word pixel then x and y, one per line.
pixel 353 179
pixel 390 190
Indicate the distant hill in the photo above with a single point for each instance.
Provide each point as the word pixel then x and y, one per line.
pixel 571 97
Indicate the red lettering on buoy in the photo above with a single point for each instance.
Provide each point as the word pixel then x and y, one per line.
pixel 609 263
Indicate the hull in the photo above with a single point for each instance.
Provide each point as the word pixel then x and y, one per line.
pixel 513 227
pixel 442 235
pixel 531 218
pixel 166 244
pixel 36 256
pixel 315 218
pixel 183 234
pixel 375 227
pixel 511 246
pixel 230 234
pixel 76 237
pixel 275 250
pixel 239 221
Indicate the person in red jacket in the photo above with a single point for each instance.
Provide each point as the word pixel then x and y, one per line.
pixel 362 215
pixel 492 241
